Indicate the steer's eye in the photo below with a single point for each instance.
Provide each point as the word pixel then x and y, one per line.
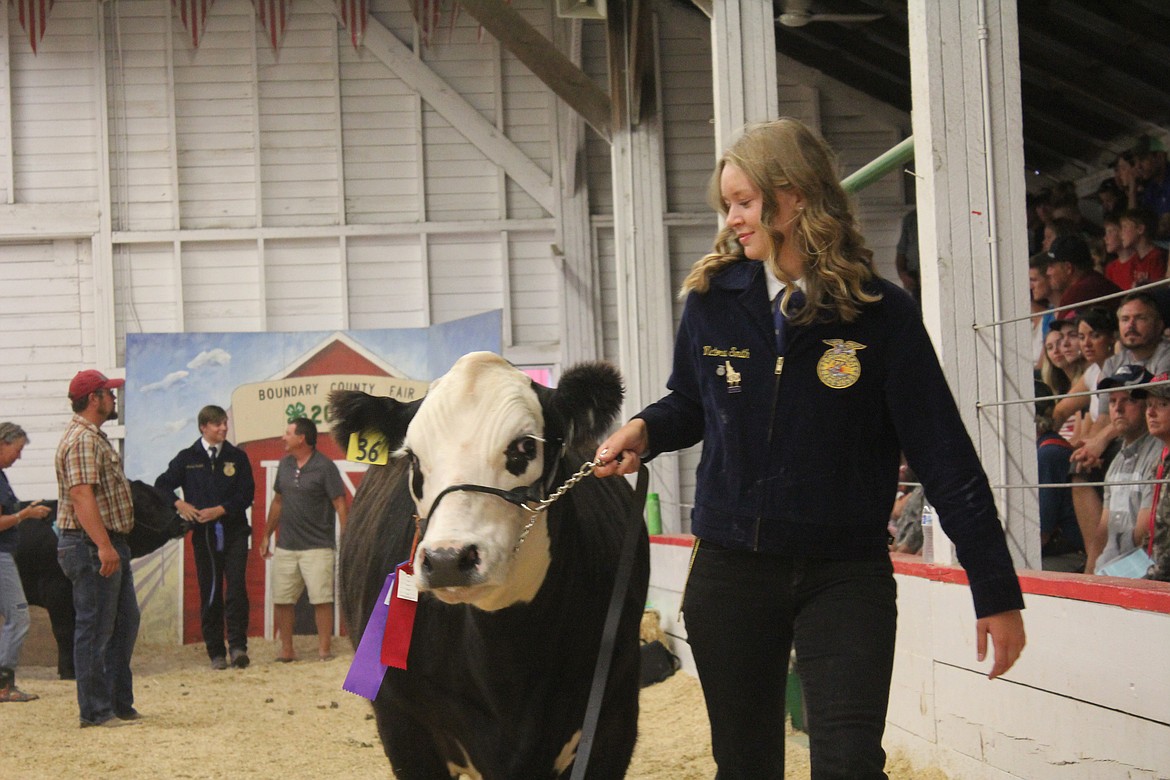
pixel 416 477
pixel 519 454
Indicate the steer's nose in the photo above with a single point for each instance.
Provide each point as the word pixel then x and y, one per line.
pixel 447 567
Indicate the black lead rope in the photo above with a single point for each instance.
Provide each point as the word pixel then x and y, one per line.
pixel 609 634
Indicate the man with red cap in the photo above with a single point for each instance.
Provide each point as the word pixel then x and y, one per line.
pixel 94 516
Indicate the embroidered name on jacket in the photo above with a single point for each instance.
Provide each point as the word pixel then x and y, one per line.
pixel 839 367
pixel 735 352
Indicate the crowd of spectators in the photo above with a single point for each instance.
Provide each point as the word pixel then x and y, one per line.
pixel 1100 303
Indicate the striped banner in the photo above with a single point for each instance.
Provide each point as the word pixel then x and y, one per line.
pixel 354 15
pixel 34 15
pixel 273 15
pixel 194 16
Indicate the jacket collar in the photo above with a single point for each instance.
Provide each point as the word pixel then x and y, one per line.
pixel 746 280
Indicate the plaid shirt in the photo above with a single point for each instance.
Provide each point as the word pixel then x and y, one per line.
pixel 86 457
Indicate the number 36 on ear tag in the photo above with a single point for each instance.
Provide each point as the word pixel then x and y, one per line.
pixel 368 447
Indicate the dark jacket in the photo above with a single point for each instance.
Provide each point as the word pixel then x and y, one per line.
pixel 801 458
pixel 230 485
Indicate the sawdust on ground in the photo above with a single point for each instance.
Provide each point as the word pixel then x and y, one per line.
pixel 291 721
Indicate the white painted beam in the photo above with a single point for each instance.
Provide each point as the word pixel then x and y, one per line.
pixel 644 289
pixel 564 77
pixel 7 166
pixel 396 56
pixel 43 221
pixel 104 294
pixel 743 48
pixel 972 234
pixel 580 285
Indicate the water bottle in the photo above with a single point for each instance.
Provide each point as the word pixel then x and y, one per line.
pixel 653 514
pixel 929 518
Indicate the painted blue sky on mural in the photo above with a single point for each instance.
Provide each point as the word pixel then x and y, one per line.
pixel 171 376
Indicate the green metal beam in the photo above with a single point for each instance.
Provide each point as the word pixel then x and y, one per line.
pixel 879 167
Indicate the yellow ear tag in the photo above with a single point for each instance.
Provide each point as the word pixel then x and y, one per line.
pixel 368 447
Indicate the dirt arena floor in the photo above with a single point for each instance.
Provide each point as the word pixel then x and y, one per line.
pixel 289 721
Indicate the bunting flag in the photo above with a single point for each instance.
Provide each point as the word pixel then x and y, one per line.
pixel 273 15
pixel 354 15
pixel 34 15
pixel 194 16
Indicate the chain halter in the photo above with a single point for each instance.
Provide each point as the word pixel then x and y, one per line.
pixel 520 497
pixel 545 503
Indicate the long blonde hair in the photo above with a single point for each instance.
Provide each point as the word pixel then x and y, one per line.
pixel 786 155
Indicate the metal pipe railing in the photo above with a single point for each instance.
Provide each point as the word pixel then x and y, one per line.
pixel 879 166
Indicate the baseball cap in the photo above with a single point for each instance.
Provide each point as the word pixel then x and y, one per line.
pixel 89 380
pixel 1071 249
pixel 1148 143
pixel 1127 376
pixel 1162 391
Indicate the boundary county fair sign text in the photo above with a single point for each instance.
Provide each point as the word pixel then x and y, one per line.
pixel 262 410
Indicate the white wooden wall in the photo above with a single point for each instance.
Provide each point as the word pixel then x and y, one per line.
pixel 1078 705
pixel 322 187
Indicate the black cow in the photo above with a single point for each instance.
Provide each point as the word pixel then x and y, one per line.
pixel 511 605
pixel 45 585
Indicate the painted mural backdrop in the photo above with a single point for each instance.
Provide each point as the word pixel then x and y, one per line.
pixel 262 380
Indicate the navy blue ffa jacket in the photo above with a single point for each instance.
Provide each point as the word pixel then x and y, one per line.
pixel 800 455
pixel 229 485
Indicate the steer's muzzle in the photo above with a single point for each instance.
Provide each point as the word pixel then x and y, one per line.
pixel 451 567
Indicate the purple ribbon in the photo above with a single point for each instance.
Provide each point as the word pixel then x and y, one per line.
pixel 366 670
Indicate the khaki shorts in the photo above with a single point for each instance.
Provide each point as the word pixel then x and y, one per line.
pixel 295 570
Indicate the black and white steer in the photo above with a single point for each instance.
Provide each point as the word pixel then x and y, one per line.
pixel 512 603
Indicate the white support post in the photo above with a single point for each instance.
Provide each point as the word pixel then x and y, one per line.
pixel 580 285
pixel 743 47
pixel 7 163
pixel 104 317
pixel 972 237
pixel 644 286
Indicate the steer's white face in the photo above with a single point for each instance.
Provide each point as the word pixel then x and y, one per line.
pixel 480 424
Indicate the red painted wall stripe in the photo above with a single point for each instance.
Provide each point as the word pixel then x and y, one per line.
pixel 1117 591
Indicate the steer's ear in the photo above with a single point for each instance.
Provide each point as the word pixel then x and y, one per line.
pixel 587 399
pixel 354 411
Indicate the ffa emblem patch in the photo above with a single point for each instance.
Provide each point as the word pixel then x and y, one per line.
pixel 839 367
pixel 229 469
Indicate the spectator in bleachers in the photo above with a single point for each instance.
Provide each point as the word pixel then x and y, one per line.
pixel 1041 302
pixel 1060 537
pixel 1155 183
pixel 1071 275
pixel 1124 170
pixel 1139 258
pixel 1075 416
pixel 1111 198
pixel 1052 367
pixel 1069 216
pixel 1039 215
pixel 1096 332
pixel 1070 347
pixel 1154 532
pixel 1111 244
pixel 1139 327
pixel 1135 461
pixel 1056 228
pixel 905 525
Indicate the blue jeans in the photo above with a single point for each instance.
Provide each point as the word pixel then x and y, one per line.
pixel 107 627
pixel 745 611
pixel 14 610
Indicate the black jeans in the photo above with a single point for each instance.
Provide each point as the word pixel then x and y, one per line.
pixel 745 611
pixel 218 604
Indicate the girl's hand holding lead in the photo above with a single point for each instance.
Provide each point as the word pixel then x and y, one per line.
pixel 619 454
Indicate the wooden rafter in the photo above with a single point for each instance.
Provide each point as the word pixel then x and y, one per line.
pixel 546 62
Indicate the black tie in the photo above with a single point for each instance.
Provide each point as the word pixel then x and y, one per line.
pixel 795 301
pixel 211 452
